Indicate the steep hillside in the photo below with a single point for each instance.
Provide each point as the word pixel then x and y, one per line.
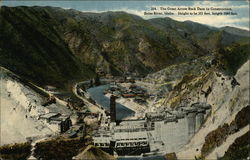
pixel 188 35
pixel 115 42
pixel 31 47
pixel 196 67
pixel 239 149
pixel 56 46
pixel 221 80
pixel 232 57
pixel 20 107
pixel 236 31
pixel 177 81
pixel 227 96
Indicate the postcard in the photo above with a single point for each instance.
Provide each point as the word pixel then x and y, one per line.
pixel 125 80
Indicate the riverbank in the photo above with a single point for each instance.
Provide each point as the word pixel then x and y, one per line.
pixel 128 102
pixel 91 107
pixel 127 108
pixel 96 93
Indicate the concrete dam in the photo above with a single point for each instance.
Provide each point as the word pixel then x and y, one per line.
pixel 157 133
pixel 177 130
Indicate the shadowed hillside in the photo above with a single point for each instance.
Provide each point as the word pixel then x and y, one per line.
pixel 56 46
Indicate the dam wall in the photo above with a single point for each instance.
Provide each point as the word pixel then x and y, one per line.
pixel 175 134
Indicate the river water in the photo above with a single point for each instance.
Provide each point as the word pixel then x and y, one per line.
pixel 96 94
pixel 174 134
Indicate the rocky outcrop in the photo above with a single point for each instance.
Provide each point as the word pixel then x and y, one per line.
pixel 227 102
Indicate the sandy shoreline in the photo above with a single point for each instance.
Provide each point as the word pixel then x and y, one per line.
pixel 128 103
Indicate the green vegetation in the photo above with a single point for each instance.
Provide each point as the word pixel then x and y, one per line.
pixel 34 50
pixel 240 120
pixel 185 80
pixel 53 46
pixel 239 149
pixel 58 149
pixel 17 151
pixel 93 153
pixel 214 139
pixel 171 156
pixel 233 57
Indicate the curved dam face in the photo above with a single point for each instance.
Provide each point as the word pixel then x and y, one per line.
pixel 166 131
pixel 175 134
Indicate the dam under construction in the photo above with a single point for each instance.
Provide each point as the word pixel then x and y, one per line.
pixel 157 133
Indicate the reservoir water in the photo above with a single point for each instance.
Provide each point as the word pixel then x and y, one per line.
pixel 174 135
pixel 97 95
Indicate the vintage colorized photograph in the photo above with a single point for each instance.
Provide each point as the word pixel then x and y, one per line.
pixel 124 80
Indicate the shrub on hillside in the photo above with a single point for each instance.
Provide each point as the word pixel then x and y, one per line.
pixel 58 149
pixel 17 151
pixel 214 139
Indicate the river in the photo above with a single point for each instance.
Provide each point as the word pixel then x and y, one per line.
pixel 96 94
pixel 174 134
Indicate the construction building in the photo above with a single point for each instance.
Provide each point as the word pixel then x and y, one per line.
pixel 154 134
pixel 56 121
